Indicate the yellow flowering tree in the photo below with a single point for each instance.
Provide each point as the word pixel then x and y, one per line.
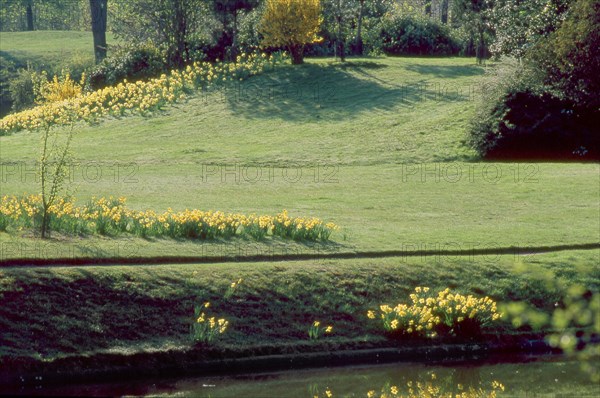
pixel 291 24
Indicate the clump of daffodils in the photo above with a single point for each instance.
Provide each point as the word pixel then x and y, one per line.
pixel 315 330
pixel 206 328
pixel 431 314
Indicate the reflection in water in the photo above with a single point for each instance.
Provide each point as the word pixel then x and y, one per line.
pixel 547 377
pixel 429 385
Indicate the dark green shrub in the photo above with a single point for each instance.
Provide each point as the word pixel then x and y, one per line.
pixel 131 63
pixel 570 56
pixel 407 35
pixel 548 107
pixel 533 126
pixel 519 118
pixel 8 70
pixel 21 90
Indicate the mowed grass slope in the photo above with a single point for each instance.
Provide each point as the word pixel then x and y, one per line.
pixel 48 313
pixel 375 145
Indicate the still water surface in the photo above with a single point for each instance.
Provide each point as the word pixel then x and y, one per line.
pixel 541 377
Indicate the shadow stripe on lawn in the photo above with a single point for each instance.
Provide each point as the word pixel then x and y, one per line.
pixel 82 261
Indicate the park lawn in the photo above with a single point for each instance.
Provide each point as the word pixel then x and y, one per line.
pixel 375 146
pixel 51 49
pixel 375 209
pixel 53 312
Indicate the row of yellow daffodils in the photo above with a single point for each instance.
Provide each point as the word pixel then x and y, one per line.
pixel 111 216
pixel 136 97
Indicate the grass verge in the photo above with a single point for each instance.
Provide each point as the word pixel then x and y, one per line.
pixel 49 314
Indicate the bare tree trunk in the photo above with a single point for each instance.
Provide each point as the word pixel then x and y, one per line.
pixel 444 12
pixel 98 10
pixel 180 34
pixel 481 50
pixel 359 41
pixel 234 37
pixel 297 53
pixel 340 41
pixel 29 14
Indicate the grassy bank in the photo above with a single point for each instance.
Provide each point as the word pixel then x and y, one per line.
pixel 52 313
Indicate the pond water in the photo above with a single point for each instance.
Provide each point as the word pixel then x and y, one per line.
pixel 534 377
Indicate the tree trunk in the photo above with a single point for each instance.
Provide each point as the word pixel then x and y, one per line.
pixel 444 12
pixel 297 53
pixel 98 11
pixel 29 14
pixel 44 228
pixel 481 50
pixel 359 41
pixel 340 40
pixel 180 34
pixel 234 37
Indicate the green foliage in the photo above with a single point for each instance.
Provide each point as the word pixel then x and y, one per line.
pixel 47 14
pixel 474 17
pixel 133 63
pixel 229 12
pixel 8 71
pixel 518 118
pixel 574 323
pixel 518 25
pixel 571 55
pixel 21 89
pixel 408 35
pixel 172 25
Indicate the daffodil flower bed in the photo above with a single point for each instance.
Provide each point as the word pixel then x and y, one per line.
pixel 138 97
pixel 111 217
pixel 437 314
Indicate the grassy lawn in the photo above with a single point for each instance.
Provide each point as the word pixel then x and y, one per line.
pixel 47 313
pixel 376 145
pixel 372 146
pixel 50 49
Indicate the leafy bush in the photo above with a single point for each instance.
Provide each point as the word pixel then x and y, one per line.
pixel 8 71
pixel 570 56
pixel 21 89
pixel 131 63
pixel 520 118
pixel 408 35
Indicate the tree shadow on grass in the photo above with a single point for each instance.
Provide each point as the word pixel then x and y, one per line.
pixel 317 93
pixel 446 71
